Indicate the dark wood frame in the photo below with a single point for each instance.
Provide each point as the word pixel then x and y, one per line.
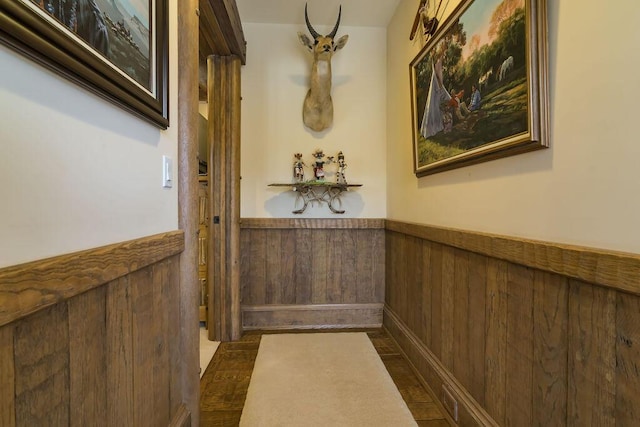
pixel 537 134
pixel 35 37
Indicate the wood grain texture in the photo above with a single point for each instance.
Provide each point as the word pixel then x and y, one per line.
pixel 519 358
pixel 312 316
pixel 87 359
pixel 7 378
pixel 185 365
pixel 311 266
pixel 42 368
pixel 550 322
pixel 592 361
pixel 628 359
pixel 119 354
pixel 496 339
pixel 525 346
pixel 27 288
pixel 613 269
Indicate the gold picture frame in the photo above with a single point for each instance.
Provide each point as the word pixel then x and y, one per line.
pixel 479 86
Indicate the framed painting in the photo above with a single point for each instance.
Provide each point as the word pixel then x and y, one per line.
pixel 116 48
pixel 479 86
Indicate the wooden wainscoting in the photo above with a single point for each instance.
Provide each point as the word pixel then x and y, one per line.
pixel 91 338
pixel 312 273
pixel 521 332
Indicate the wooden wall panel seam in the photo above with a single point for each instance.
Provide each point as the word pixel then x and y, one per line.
pixel 28 288
pixel 607 268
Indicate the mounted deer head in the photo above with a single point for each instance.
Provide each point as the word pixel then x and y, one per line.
pixel 317 111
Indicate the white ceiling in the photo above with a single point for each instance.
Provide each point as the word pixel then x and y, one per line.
pixel 357 13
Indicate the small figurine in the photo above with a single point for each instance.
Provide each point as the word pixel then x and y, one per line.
pixel 340 178
pixel 298 168
pixel 318 166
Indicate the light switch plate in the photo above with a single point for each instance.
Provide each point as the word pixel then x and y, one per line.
pixel 167 172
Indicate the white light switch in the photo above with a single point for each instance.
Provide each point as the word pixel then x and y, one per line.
pixel 167 172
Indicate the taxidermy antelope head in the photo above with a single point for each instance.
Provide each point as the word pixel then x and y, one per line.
pixel 317 111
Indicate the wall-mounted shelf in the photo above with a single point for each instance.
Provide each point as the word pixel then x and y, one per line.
pixel 318 191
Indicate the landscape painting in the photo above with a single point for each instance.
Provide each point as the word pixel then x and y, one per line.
pixel 115 29
pixel 116 48
pixel 479 86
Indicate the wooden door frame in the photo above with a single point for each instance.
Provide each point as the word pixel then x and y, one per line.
pixel 187 120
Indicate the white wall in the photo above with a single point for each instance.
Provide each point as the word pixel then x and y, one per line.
pixel 584 189
pixel 274 84
pixel 78 172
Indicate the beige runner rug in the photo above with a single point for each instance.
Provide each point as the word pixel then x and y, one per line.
pixel 322 379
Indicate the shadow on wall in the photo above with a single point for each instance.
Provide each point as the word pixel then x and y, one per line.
pixel 282 205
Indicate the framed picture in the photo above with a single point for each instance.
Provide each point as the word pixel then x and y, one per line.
pixel 479 86
pixel 116 48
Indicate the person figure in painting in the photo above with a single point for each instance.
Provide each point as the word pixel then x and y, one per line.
pixel 474 103
pixel 84 18
pixel 457 104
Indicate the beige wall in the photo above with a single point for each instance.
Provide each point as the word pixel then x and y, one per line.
pixel 584 189
pixel 77 171
pixel 274 84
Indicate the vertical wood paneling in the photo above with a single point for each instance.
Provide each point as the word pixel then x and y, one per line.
pixel 532 347
pixel 42 368
pixel 414 284
pixel 364 266
pixel 448 304
pixel 87 359
pixel 377 239
pixel 7 378
pixel 176 365
pixel 628 359
pixel 592 362
pixel 519 360
pixel 334 256
pixel 246 267
pixel 161 340
pixel 436 255
pixel 550 317
pixel 461 367
pixel 273 269
pixel 426 288
pixel 143 333
pixel 304 255
pixel 476 324
pixel 348 268
pixel 119 353
pixel 288 267
pixel 257 278
pixel 496 340
pixel 319 266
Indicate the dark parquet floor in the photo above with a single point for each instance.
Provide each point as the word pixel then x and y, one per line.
pixel 224 385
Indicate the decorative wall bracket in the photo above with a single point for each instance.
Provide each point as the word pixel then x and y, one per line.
pixel 318 191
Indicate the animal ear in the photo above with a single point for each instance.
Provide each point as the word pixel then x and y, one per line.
pixel 341 42
pixel 306 42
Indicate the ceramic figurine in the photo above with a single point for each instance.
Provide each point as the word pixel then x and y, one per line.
pixel 318 166
pixel 340 177
pixel 298 168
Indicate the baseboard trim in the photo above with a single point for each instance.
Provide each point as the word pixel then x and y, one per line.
pixel 313 316
pixel 433 373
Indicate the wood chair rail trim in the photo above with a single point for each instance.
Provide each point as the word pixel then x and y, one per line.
pixel 612 269
pixel 33 286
